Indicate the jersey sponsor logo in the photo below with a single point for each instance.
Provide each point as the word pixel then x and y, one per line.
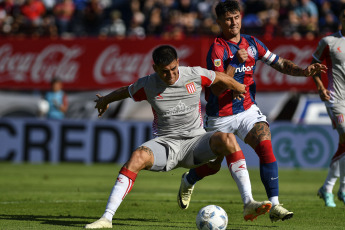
pixel 180 108
pixel 243 69
pixel 217 62
pixel 251 51
pixel 340 119
pixel 191 88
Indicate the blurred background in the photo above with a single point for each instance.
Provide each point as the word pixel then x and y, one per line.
pixel 96 46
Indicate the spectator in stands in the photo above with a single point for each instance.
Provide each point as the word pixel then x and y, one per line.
pixel 77 21
pixel 136 29
pixel 6 16
pixel 116 28
pixel 32 12
pixel 49 5
pixel 92 17
pixel 154 24
pixel 308 14
pixel 328 22
pixel 63 12
pixel 57 100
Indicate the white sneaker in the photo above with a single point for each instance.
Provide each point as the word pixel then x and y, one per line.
pixel 279 213
pixel 254 209
pixel 101 223
pixel 184 194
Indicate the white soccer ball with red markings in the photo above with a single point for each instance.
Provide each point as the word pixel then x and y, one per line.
pixel 212 217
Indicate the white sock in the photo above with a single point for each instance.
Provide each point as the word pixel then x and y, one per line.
pixel 240 174
pixel 332 176
pixel 342 174
pixel 121 188
pixel 274 200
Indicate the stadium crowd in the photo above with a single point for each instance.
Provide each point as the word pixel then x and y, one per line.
pixel 172 19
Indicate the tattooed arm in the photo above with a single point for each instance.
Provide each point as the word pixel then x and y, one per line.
pixel 288 67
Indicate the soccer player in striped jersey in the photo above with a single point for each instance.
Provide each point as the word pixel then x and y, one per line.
pixel 231 112
pixel 331 49
pixel 173 92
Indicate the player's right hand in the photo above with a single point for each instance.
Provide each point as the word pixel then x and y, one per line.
pixel 242 55
pixel 240 88
pixel 237 95
pixel 325 95
pixel 101 105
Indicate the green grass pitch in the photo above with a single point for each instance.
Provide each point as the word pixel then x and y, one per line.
pixel 68 196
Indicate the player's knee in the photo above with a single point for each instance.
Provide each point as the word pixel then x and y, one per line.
pixel 215 165
pixel 223 144
pixel 139 160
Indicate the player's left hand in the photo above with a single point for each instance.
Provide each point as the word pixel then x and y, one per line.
pixel 314 69
pixel 101 105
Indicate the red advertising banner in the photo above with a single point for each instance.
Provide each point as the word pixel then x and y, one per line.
pixel 92 64
pixel 84 64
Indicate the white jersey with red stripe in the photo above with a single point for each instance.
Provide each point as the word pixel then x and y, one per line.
pixel 332 50
pixel 176 108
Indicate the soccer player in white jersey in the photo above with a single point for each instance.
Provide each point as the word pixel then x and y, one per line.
pixel 174 94
pixel 331 49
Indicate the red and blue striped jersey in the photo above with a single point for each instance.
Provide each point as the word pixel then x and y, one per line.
pixel 220 55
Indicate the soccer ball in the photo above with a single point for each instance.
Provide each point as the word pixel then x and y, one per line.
pixel 211 217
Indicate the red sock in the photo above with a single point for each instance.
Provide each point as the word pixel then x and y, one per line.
pixel 265 152
pixel 205 170
pixel 236 156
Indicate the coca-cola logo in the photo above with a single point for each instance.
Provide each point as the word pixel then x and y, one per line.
pixel 54 60
pixel 300 57
pixel 116 65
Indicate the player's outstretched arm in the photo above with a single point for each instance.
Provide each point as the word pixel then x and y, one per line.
pixel 324 93
pixel 288 67
pixel 102 102
pixel 229 82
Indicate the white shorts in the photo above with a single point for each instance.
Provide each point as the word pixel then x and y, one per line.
pixel 174 152
pixel 239 124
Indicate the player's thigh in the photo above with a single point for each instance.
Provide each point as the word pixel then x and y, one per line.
pixel 161 151
pixel 197 151
pixel 253 126
pixel 227 124
pixel 336 113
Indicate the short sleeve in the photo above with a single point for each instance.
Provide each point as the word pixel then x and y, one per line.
pixel 137 89
pixel 321 51
pixel 215 58
pixel 264 54
pixel 207 76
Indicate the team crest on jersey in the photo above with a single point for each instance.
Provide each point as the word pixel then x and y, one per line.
pixel 251 51
pixel 191 87
pixel 217 62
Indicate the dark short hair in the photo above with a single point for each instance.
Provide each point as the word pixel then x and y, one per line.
pixel 54 80
pixel 164 55
pixel 231 6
